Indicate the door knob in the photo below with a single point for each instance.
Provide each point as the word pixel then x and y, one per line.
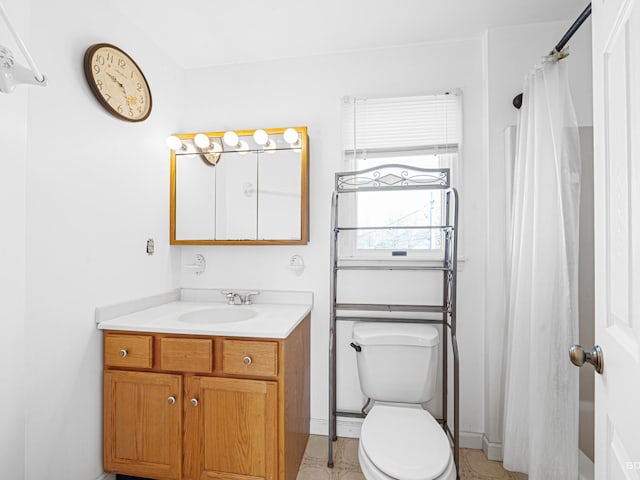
pixel 579 357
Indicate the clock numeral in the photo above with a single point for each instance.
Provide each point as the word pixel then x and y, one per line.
pixel 120 109
pixel 122 63
pixel 96 68
pixel 109 57
pixel 99 84
pixel 107 96
pixel 139 86
pixel 141 98
pixel 100 59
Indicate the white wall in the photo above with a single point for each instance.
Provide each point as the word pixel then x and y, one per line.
pixel 511 52
pixel 308 92
pixel 96 189
pixel 13 136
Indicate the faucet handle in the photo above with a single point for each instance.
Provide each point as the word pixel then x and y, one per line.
pixel 229 296
pixel 247 300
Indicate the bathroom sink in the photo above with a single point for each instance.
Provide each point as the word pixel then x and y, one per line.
pixel 218 315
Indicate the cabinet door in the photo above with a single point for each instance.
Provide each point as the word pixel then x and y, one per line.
pixel 231 429
pixel 143 424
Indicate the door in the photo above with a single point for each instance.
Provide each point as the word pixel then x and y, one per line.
pixel 143 424
pixel 616 67
pixel 231 429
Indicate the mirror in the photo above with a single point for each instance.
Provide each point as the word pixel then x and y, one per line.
pixel 240 188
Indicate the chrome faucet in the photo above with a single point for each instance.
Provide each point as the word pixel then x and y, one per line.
pixel 243 299
pixel 231 297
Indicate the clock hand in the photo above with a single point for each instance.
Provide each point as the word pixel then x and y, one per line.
pixel 113 77
pixel 124 90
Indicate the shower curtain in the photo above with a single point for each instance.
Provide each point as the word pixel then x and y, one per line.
pixel 541 385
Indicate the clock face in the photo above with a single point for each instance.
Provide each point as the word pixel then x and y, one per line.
pixel 117 82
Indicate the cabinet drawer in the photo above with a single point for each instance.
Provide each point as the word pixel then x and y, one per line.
pixel 186 354
pixel 128 350
pixel 248 357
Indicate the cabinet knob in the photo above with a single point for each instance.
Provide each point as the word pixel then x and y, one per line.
pixel 194 402
pixel 123 353
pixel 247 360
pixel 171 400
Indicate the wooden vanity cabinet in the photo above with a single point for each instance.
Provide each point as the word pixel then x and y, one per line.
pixel 206 407
pixel 233 428
pixel 143 423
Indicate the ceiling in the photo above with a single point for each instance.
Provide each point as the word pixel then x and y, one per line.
pixel 201 33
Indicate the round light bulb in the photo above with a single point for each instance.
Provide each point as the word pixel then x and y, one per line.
pixel 231 138
pixel 202 141
pixel 291 136
pixel 174 143
pixel 260 137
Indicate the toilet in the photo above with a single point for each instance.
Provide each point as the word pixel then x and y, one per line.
pixel 399 440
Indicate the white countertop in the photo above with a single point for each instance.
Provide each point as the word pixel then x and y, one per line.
pixel 270 320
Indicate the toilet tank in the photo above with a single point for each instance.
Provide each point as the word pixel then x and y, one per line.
pixel 397 361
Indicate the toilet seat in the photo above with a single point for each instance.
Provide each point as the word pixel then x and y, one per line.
pixel 405 443
pixel 371 472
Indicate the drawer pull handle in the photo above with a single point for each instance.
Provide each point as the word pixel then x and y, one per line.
pixel 247 360
pixel 194 402
pixel 171 400
pixel 123 353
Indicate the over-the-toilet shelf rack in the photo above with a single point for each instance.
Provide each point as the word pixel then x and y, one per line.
pixel 387 178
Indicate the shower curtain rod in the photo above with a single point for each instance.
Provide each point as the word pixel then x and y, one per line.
pixel 517 100
pixel 11 72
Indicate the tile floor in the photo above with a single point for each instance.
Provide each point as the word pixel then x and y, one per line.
pixel 473 464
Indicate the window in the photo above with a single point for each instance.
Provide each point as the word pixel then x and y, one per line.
pixel 420 131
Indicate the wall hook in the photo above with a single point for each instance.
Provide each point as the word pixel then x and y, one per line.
pixel 296 264
pixel 199 264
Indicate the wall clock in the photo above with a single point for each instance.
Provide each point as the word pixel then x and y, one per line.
pixel 117 82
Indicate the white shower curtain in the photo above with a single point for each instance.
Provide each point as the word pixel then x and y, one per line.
pixel 541 389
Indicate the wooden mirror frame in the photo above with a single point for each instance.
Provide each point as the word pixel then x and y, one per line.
pixel 304 192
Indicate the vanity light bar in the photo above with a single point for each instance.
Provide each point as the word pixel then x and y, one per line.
pixel 204 143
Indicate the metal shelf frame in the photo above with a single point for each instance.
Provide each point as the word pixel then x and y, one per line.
pixel 394 177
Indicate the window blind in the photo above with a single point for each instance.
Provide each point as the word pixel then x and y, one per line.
pixel 429 123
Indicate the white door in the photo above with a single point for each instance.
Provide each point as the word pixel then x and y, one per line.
pixel 616 83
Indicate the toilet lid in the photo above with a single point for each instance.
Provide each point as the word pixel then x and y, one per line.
pixel 405 443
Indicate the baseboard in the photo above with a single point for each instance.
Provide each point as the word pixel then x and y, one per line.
pixel 493 451
pixel 471 440
pixel 106 476
pixel 345 428
pixel 350 428
pixel 585 467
